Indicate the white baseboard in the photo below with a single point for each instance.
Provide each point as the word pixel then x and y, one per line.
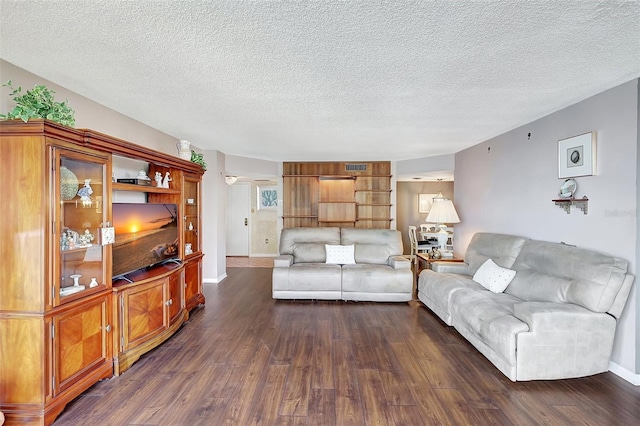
pixel 627 375
pixel 214 280
pixel 263 255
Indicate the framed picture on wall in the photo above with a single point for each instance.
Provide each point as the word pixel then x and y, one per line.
pixel 577 156
pixel 267 197
pixel 425 201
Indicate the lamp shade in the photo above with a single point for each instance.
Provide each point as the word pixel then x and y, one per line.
pixel 442 211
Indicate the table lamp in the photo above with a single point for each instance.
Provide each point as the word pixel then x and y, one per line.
pixel 442 212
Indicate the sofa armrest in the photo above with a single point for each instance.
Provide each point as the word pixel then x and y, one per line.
pixel 567 317
pixel 450 267
pixel 283 261
pixel 399 262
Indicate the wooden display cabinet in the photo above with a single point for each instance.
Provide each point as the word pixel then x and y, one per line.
pixel 63 322
pixel 55 284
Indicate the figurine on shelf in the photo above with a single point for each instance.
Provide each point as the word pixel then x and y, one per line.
pixel 158 179
pixel 167 179
pixel 142 175
pixel 72 238
pixel 86 238
pixel 64 242
pixel 85 193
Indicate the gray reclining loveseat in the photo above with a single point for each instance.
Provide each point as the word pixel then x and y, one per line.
pixel 379 273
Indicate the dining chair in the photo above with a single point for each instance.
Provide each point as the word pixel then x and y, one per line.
pixel 415 247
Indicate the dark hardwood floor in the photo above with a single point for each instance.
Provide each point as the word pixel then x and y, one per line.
pixel 247 359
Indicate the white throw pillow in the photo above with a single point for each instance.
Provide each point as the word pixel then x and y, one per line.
pixel 341 255
pixel 493 277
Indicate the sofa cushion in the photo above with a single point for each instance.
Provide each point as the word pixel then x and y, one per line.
pixel 372 278
pixel 373 246
pixel 553 272
pixel 489 317
pixel 502 249
pixel 493 277
pixel 435 290
pixel 308 244
pixel 339 254
pixel 312 277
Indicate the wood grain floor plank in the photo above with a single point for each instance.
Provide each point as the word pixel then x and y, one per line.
pixel 265 407
pixel 295 401
pixel 374 404
pixel 251 383
pixel 349 410
pixel 323 367
pixel 322 407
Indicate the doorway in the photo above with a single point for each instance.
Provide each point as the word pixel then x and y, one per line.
pixel 238 215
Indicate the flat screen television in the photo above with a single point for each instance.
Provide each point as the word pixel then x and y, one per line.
pixel 146 234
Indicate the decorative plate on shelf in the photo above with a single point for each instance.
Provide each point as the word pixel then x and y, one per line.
pixel 568 189
pixel 68 184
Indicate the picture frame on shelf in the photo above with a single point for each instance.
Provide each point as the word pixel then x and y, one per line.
pixel 577 156
pixel 267 197
pixel 425 201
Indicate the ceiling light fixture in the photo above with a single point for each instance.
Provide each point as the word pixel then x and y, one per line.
pixel 230 180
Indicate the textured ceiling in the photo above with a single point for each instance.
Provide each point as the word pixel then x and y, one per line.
pixel 330 79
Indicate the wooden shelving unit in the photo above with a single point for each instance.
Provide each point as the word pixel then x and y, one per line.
pixel 337 194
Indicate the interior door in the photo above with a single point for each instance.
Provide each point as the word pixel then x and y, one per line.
pixel 238 213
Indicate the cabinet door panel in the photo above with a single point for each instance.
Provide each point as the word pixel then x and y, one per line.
pixel 192 291
pixel 191 197
pixel 175 296
pixel 145 313
pixel 79 195
pixel 81 341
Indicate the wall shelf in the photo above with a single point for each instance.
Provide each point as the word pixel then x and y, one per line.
pixel 143 188
pixel 566 203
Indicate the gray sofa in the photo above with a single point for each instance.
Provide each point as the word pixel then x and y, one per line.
pixel 380 273
pixel 556 319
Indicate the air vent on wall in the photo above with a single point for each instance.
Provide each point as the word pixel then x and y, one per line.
pixel 355 167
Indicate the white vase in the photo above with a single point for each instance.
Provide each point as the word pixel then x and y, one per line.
pixel 184 149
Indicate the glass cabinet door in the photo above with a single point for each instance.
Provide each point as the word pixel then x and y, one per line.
pixel 191 215
pixel 81 192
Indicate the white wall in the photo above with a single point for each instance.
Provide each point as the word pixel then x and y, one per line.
pixel 509 189
pixel 425 164
pixel 214 218
pixel 250 167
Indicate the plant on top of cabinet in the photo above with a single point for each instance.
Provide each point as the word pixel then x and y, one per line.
pixel 39 103
pixel 198 158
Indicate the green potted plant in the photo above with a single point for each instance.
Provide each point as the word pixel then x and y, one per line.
pixel 198 158
pixel 38 103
